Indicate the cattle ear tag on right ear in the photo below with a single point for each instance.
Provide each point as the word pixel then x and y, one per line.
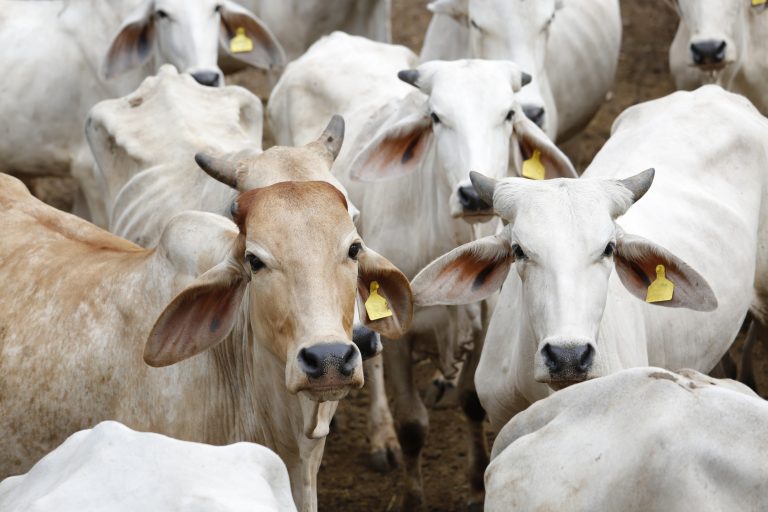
pixel 533 168
pixel 376 306
pixel 755 3
pixel 241 43
pixel 662 289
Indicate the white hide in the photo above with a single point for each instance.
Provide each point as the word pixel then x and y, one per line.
pixel 58 53
pixel 570 47
pixel 705 207
pixel 744 29
pixel 642 439
pixel 112 467
pixel 299 23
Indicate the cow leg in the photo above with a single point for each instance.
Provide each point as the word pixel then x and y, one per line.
pixel 385 450
pixel 475 414
pixel 411 418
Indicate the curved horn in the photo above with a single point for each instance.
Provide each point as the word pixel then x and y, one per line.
pixel 333 136
pixel 639 183
pixel 484 186
pixel 409 76
pixel 218 169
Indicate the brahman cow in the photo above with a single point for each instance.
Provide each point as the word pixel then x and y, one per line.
pixel 722 42
pixel 426 130
pixel 68 55
pixel 569 311
pixel 642 439
pixel 270 316
pixel 114 468
pixel 299 23
pixel 570 47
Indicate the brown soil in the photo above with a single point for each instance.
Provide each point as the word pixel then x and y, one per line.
pixel 345 482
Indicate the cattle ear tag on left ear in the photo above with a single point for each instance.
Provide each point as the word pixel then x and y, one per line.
pixel 533 168
pixel 376 306
pixel 755 3
pixel 662 289
pixel 241 43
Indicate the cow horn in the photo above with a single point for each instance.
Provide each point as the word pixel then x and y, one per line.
pixel 333 135
pixel 525 78
pixel 218 169
pixel 484 186
pixel 639 183
pixel 409 76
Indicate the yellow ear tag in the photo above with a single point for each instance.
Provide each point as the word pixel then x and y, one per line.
pixel 755 3
pixel 376 306
pixel 533 168
pixel 241 43
pixel 662 289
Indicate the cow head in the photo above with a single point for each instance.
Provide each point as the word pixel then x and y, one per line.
pixel 467 118
pixel 187 35
pixel 290 281
pixel 564 242
pixel 714 35
pixel 516 31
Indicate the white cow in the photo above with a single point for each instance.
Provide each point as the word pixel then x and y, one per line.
pixel 68 55
pixel 270 317
pixel 642 439
pixel 722 42
pixel 570 47
pixel 299 23
pixel 114 468
pixel 569 311
pixel 426 130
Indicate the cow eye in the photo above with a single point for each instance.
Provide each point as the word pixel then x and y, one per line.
pixel 161 14
pixel 254 261
pixel 609 249
pixel 510 115
pixel 217 8
pixel 435 119
pixel 519 253
pixel 354 250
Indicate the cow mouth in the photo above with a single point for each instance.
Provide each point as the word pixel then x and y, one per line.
pixel 561 384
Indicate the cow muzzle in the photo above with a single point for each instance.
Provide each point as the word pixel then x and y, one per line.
pixel 709 54
pixel 329 370
pixel 208 78
pixel 562 363
pixel 368 342
pixel 466 204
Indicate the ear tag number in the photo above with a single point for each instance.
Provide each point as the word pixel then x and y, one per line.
pixel 241 43
pixel 533 168
pixel 755 3
pixel 662 289
pixel 376 306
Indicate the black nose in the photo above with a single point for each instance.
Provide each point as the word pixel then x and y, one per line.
pixel 209 78
pixel 318 360
pixel 535 113
pixel 470 200
pixel 568 362
pixel 367 341
pixel 708 52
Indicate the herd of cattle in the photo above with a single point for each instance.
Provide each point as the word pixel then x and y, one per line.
pixel 221 295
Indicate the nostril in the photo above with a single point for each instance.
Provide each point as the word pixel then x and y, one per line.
pixel 310 363
pixel 550 358
pixel 535 113
pixel 585 358
pixel 348 362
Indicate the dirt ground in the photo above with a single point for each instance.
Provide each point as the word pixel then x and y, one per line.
pixel 345 481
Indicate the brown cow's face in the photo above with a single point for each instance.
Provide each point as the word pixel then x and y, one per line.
pixel 301 252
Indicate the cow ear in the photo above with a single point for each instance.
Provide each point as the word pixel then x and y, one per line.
pixel 467 274
pixel 396 151
pixel 133 45
pixel 393 286
pixel 238 26
pixel 531 138
pixel 201 316
pixel 637 261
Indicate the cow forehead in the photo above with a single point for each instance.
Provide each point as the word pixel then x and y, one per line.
pixel 295 215
pixel 186 5
pixel 475 83
pixel 280 163
pixel 524 13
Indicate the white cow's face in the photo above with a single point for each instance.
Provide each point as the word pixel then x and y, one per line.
pixel 518 30
pixel 469 119
pixel 562 237
pixel 717 29
pixel 187 35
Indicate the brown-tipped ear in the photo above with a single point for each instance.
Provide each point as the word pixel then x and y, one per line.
pixel 201 316
pixel 467 274
pixel 397 151
pixel 636 260
pixel 218 169
pixel 133 45
pixel 332 137
pixel 393 286
pixel 531 137
pixel 266 52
